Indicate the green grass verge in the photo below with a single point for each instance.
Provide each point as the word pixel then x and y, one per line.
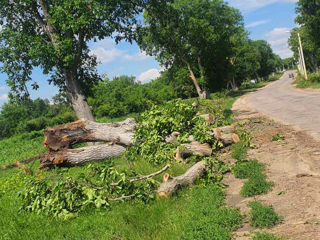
pixel 262 216
pixel 266 236
pixel 239 151
pixel 247 169
pixel 256 185
pixel 312 82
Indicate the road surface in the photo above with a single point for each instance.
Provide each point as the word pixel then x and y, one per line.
pixel 283 102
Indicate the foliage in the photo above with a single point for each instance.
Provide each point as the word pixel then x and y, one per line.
pixel 239 151
pixel 65 197
pixel 263 216
pixel 161 121
pixel 309 16
pixel 256 185
pixel 123 95
pixel 186 35
pixel 54 36
pixel 18 117
pixel 310 50
pixel 265 236
pixel 247 169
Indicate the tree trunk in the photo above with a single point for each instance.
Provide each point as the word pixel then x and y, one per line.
pixel 314 63
pixel 80 156
pixel 64 136
pixel 170 185
pixel 225 134
pixel 77 99
pixel 195 82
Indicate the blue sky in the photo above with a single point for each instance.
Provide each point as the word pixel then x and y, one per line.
pixel 264 19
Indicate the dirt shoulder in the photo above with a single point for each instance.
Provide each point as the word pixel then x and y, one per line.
pixel 293 165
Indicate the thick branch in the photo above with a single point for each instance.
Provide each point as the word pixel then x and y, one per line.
pixel 171 185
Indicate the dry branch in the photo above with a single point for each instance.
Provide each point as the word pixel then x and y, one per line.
pixel 171 185
pixel 141 178
pixel 64 136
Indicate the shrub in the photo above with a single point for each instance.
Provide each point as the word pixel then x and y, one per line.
pixel 314 77
pixel 256 185
pixel 247 169
pixel 263 216
pixel 265 236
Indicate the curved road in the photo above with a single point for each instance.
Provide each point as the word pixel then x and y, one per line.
pixel 280 100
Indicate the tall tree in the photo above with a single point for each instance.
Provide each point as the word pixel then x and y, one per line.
pixel 194 35
pixel 309 16
pixel 310 50
pixel 54 35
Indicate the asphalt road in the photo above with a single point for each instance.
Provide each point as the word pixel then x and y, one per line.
pixel 281 101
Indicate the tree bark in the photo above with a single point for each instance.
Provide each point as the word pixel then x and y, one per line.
pixel 80 156
pixel 195 147
pixel 171 185
pixel 64 136
pixel 195 82
pixel 225 134
pixel 77 99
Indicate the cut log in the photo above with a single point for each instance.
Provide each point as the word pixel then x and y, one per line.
pixel 173 137
pixel 171 185
pixel 225 134
pixel 209 118
pixel 80 156
pixel 189 149
pixel 64 136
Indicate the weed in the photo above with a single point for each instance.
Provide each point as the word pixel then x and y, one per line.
pixel 265 236
pixel 262 216
pixel 256 185
pixel 239 151
pixel 247 169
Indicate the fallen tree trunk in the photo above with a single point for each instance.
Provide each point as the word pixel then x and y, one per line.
pixel 194 147
pixel 170 185
pixel 64 136
pixel 80 156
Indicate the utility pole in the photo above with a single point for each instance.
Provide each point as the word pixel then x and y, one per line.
pixel 302 58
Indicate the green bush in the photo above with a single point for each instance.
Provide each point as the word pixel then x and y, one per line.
pixel 314 77
pixel 256 185
pixel 265 236
pixel 263 216
pixel 247 169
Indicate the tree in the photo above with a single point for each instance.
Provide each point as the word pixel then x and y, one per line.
pixel 310 50
pixel 194 35
pixel 309 16
pixel 267 59
pixel 54 36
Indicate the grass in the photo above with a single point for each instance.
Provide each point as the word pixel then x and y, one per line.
pixel 262 216
pixel 239 151
pixel 247 169
pixel 266 236
pixel 256 185
pixel 312 82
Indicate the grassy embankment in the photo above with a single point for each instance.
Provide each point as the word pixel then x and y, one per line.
pixel 197 213
pixel 312 82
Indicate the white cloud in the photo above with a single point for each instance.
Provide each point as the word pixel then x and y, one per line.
pixel 106 55
pixel 149 75
pixel 278 39
pixel 249 5
pixel 141 56
pixel 4 97
pixel 257 23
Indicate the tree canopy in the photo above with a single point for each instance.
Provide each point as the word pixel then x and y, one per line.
pixel 54 36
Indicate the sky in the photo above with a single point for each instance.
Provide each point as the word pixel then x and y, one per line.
pixel 270 20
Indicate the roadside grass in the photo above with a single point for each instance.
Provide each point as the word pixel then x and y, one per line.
pixel 239 151
pixel 247 169
pixel 256 185
pixel 312 82
pixel 262 216
pixel 195 213
pixel 266 236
